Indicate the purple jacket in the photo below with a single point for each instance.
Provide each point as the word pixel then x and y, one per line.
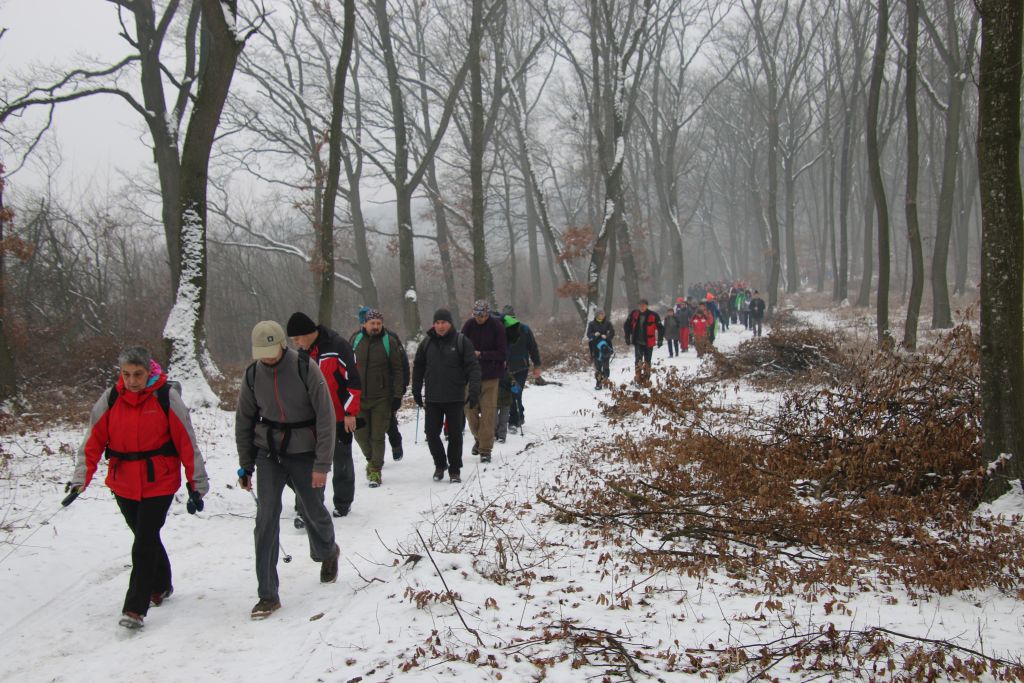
pixel 489 339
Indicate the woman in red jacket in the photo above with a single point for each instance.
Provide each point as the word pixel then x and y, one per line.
pixel 143 427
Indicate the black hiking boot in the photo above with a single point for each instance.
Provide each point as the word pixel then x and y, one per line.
pixel 485 457
pixel 329 567
pixel 453 477
pixel 299 523
pixel 439 474
pixel 476 448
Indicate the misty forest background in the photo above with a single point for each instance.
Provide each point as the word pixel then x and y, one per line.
pixel 558 155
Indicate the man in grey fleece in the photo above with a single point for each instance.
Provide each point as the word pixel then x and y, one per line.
pixel 284 431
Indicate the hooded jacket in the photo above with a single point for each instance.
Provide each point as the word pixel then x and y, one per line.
pixel 136 423
pixel 445 371
pixel 278 394
pixel 338 366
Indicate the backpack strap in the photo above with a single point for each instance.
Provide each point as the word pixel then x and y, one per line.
pixel 163 397
pixel 356 339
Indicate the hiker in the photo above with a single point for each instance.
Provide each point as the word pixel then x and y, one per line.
pixel 394 433
pixel 671 324
pixel 143 427
pixel 447 365
pixel 522 352
pixel 491 348
pixel 703 321
pixel 333 356
pixel 756 313
pixel 599 335
pixel 683 315
pixel 643 330
pixel 284 432
pixel 379 359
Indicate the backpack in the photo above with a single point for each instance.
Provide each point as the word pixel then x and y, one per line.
pixel 250 372
pixel 163 395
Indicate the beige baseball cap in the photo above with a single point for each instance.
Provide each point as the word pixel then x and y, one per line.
pixel 268 338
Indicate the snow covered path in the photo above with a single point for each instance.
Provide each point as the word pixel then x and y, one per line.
pixel 62 583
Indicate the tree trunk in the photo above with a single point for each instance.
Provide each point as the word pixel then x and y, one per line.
pixel 1002 323
pixel 913 228
pixel 875 170
pixel 483 282
pixel 185 333
pixel 8 378
pixel 326 232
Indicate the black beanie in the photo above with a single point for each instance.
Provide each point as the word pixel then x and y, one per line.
pixel 300 324
pixel 443 314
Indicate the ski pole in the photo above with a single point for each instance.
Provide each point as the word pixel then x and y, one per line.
pixel 242 474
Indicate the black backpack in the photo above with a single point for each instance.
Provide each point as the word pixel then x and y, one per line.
pixel 163 395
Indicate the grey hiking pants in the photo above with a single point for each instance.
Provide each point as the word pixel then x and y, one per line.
pixel 271 477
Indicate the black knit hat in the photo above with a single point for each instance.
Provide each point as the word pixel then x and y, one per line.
pixel 300 324
pixel 443 314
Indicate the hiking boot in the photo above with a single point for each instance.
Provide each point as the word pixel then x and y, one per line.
pixel 373 476
pixel 476 448
pixel 453 477
pixel 501 439
pixel 329 567
pixel 299 523
pixel 264 608
pixel 485 457
pixel 341 512
pixel 439 474
pixel 397 455
pixel 158 598
pixel 130 620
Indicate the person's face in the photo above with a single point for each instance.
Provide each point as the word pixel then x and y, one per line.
pixel 374 327
pixel 643 307
pixel 134 376
pixel 274 360
pixel 481 318
pixel 600 318
pixel 442 327
pixel 304 341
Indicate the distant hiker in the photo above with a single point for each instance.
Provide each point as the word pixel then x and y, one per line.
pixel 711 304
pixel 702 323
pixel 756 313
pixel 284 432
pixel 333 356
pixel 491 348
pixel 671 323
pixel 599 335
pixel 644 331
pixel 143 427
pixel 446 363
pixel 522 352
pixel 379 358
pixel 745 309
pixel 683 315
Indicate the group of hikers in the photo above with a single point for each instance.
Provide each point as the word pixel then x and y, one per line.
pixel 689 319
pixel 300 406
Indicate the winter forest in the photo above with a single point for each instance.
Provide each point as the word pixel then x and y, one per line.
pixel 858 158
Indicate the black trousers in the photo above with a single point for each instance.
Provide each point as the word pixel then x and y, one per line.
pixel 517 413
pixel 151 568
pixel 434 415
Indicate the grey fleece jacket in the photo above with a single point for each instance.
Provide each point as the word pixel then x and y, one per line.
pixel 278 394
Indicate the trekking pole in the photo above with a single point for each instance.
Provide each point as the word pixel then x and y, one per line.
pixel 416 434
pixel 241 474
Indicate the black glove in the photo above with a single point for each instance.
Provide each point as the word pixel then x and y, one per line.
pixel 72 490
pixel 396 403
pixel 474 401
pixel 195 502
pixel 418 398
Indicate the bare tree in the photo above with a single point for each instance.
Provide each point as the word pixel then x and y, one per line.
pixel 875 168
pixel 913 227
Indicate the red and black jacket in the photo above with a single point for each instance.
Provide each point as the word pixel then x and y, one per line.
pixel 644 328
pixel 338 364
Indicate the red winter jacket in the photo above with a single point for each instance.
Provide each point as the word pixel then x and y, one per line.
pixel 137 423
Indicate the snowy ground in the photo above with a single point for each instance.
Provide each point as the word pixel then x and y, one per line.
pixel 63 574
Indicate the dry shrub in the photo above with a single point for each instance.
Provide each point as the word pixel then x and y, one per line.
pixel 872 479
pixel 792 353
